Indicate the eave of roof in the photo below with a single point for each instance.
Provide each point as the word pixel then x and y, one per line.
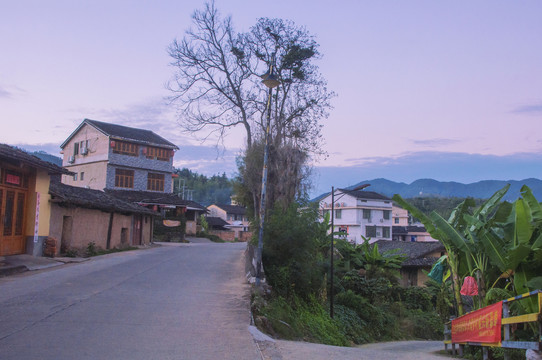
pixel 93 199
pixel 231 209
pixel 155 198
pixel 362 194
pixel 14 154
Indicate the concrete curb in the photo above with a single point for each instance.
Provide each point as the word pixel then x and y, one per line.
pixel 12 269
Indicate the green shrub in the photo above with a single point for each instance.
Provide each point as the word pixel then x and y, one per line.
pixel 92 249
pixel 298 319
pixel 422 324
pixel 351 325
pixel 415 297
pixel 292 261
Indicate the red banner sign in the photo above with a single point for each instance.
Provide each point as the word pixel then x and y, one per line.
pixel 13 179
pixel 482 326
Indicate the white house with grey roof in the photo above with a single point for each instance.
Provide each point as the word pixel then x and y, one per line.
pixel 360 213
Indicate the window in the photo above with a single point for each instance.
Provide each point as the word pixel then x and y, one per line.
pixel 83 145
pixel 158 153
pixel 338 213
pixel 75 177
pixel 125 148
pixel 124 178
pixel 386 232
pixel 396 220
pixel 76 148
pixel 387 214
pixel 367 213
pixel 370 231
pixel 82 177
pixel 155 182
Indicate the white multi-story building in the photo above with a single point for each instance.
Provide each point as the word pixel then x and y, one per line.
pixel 360 213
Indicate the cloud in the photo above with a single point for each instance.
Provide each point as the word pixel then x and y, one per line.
pixel 50 148
pixel 528 109
pixel 207 160
pixel 434 143
pixel 4 93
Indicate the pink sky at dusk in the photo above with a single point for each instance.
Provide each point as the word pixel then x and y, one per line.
pixel 411 76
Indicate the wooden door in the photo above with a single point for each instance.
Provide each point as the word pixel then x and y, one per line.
pixel 138 223
pixel 12 216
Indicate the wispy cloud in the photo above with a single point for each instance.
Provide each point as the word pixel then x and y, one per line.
pixel 435 143
pixel 529 109
pixel 50 148
pixel 4 93
pixel 207 160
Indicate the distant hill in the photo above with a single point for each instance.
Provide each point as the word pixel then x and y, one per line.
pixel 431 188
pixel 47 157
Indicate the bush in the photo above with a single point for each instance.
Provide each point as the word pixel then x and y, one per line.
pixel 351 325
pixel 298 319
pixel 415 297
pixel 92 249
pixel 422 325
pixel 292 262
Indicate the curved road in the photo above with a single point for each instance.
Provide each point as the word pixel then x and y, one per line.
pixel 181 301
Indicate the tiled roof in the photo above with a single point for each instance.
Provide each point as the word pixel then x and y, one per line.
pixel 216 221
pixel 416 252
pixel 12 153
pixel 125 133
pixel 232 209
pixel 154 198
pixel 361 194
pixel 93 199
pixel 403 230
pixel 422 262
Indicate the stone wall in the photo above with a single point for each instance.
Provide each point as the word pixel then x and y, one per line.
pixel 226 235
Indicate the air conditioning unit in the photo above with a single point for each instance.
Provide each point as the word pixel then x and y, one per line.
pixel 84 150
pixel 71 159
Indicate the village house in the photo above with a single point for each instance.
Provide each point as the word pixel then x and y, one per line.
pixel 420 256
pixel 83 216
pixel 360 213
pixel 235 218
pixel 25 208
pixel 135 165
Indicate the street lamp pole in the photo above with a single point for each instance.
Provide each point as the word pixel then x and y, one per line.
pixel 331 272
pixel 270 80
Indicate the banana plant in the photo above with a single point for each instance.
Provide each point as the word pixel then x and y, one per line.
pixel 436 231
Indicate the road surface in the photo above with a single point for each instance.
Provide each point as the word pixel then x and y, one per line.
pixel 181 301
pixel 170 302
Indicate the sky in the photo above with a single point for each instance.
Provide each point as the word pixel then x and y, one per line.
pixel 450 90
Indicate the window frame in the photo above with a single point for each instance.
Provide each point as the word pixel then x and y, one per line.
pixel 155 182
pixel 124 178
pixel 125 148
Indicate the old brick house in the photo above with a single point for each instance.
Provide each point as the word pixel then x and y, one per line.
pixel 135 165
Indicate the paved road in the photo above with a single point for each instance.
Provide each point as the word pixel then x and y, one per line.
pixel 171 302
pixel 404 350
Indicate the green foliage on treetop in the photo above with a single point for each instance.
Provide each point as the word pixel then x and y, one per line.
pixel 204 190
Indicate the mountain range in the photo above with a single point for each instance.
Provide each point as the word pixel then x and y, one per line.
pixel 420 188
pixel 429 187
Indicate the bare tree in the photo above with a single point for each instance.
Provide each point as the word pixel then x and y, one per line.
pixel 217 85
pixel 211 81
